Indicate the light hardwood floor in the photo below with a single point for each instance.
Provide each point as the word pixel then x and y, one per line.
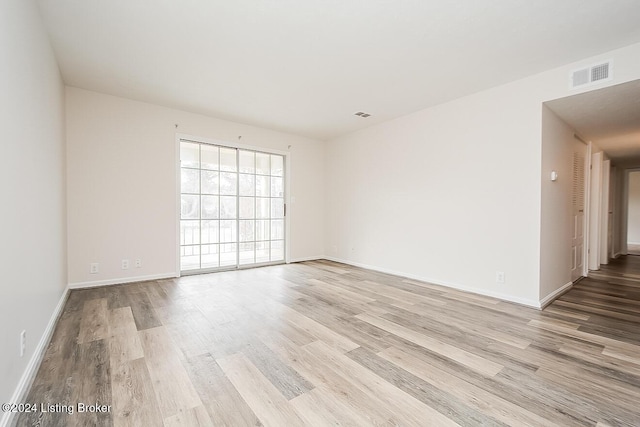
pixel 325 344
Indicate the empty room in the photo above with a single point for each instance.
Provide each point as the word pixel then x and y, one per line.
pixel 320 213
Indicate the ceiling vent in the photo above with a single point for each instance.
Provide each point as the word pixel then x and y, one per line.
pixel 361 114
pixel 590 75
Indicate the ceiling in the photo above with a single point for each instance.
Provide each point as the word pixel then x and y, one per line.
pixel 307 66
pixel 610 117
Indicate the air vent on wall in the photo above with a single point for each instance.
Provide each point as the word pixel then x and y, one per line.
pixel 592 74
pixel 361 114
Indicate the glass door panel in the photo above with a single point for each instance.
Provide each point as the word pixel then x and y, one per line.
pixel 232 207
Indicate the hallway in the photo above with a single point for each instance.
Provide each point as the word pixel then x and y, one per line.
pixel 608 301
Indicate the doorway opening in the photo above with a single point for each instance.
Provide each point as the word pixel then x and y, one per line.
pixel 633 214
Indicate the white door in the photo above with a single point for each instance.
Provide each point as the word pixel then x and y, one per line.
pixel 578 187
pixel 595 210
pixel 613 180
pixel 232 210
pixel 604 214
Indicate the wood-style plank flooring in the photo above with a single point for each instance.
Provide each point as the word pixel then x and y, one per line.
pixel 325 344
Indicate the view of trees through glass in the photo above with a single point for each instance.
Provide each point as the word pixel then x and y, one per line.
pixel 231 207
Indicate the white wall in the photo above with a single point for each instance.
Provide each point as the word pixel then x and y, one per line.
pixel 122 190
pixel 623 168
pixel 633 230
pixel 556 232
pixel 448 194
pixel 452 194
pixel 32 187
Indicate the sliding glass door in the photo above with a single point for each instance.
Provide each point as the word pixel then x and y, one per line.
pixel 231 207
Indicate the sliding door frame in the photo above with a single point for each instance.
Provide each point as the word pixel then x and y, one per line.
pixel 287 185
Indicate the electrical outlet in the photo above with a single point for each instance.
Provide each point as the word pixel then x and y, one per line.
pixel 125 264
pixel 23 342
pixel 138 263
pixel 499 276
pixel 94 268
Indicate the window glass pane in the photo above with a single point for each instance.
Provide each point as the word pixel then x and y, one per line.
pixel 262 207
pixel 210 256
pixel 189 232
pixel 189 207
pixel 277 187
pixel 228 183
pixel 210 207
pixel 247 230
pixel 218 229
pixel 247 161
pixel 277 165
pixel 189 182
pixel 277 250
pixel 227 207
pixel 189 155
pixel 262 186
pixel 228 254
pixel 263 165
pixel 209 154
pixel 210 182
pixel 277 208
pixel 210 231
pixel 189 257
pixel 247 207
pixel 262 230
pixel 262 251
pixel 228 159
pixel 247 185
pixel 228 231
pixel 247 254
pixel 277 229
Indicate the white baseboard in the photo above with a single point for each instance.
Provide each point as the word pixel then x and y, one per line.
pixel 31 370
pixel 555 294
pixel 122 280
pixel 308 258
pixel 499 295
pixel 633 243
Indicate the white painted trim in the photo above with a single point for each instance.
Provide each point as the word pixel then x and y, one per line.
pixel 633 243
pixel 499 295
pixel 308 258
pixel 31 370
pixel 555 294
pixel 178 209
pixel 122 280
pixel 587 212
